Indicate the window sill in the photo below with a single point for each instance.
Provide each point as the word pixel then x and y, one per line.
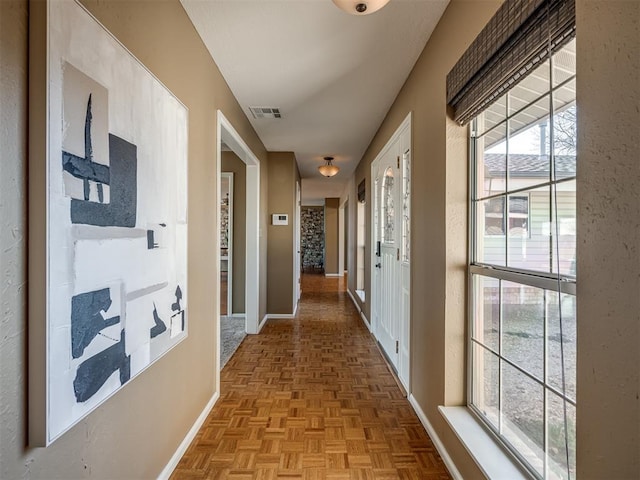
pixel 494 462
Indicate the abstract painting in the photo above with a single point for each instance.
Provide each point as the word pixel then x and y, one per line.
pixel 116 270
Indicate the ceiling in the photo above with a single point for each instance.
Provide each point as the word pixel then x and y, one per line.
pixel 332 75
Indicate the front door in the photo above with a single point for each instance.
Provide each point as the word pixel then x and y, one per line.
pixel 387 254
pixel 391 236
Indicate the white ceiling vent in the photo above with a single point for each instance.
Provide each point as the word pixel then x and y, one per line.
pixel 265 112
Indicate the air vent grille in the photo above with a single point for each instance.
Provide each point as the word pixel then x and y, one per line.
pixel 265 112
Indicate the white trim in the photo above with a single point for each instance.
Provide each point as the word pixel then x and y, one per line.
pixel 353 299
pixel 297 246
pixel 341 252
pixel 270 316
pixel 446 458
pixel 365 320
pixel 191 434
pixel 237 315
pixel 362 315
pixel 334 274
pixel 263 322
pixel 494 462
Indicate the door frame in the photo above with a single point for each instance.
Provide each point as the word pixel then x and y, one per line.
pixel 297 248
pixel 396 141
pixel 342 251
pixel 225 132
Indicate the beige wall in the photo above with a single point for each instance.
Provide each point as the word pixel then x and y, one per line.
pixel 608 257
pixel 231 163
pixel 134 434
pixel 124 437
pixel 439 224
pixel 283 173
pixel 608 231
pixel 331 207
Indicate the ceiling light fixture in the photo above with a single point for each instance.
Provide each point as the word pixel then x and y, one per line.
pixel 329 169
pixel 360 7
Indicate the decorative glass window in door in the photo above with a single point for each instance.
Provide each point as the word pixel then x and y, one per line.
pixel 406 204
pixel 388 211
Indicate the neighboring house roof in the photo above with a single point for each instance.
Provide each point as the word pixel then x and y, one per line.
pixel 521 165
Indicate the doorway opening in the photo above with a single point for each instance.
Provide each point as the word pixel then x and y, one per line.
pixel 230 141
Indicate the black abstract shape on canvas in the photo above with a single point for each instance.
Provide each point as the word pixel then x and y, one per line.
pixel 87 319
pixel 95 371
pixel 121 212
pixel 85 168
pixel 160 326
pixel 151 238
pixel 177 308
pixel 151 243
pixel 120 175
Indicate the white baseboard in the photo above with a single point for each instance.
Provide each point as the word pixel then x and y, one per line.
pixel 333 274
pixel 270 316
pixel 365 320
pixel 262 323
pixel 357 305
pixel 435 439
pixel 182 448
pixel 238 315
pixel 353 299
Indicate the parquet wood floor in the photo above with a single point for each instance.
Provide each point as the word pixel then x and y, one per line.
pixel 311 398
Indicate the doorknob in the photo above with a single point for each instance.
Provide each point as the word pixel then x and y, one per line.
pixel 378 265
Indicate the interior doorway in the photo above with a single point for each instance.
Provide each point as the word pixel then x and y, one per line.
pixel 230 140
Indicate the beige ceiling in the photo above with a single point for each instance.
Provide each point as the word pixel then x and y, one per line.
pixel 332 75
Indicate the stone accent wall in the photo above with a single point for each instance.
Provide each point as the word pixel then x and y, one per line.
pixel 312 237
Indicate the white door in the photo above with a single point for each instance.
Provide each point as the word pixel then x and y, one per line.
pixel 391 266
pixel 387 253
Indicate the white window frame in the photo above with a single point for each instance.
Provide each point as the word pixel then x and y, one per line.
pixel 565 284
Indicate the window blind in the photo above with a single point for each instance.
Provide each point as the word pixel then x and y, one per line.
pixel 521 35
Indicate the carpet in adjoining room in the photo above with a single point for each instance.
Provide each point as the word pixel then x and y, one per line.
pixel 232 332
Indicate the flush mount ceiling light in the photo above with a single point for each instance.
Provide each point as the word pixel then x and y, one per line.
pixel 360 7
pixel 329 169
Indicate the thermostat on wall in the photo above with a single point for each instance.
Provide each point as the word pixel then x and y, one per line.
pixel 279 219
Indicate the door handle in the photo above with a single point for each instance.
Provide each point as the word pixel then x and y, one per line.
pixel 378 265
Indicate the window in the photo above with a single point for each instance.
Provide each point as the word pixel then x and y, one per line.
pixel 522 270
pixel 388 211
pixel 406 206
pixel 495 221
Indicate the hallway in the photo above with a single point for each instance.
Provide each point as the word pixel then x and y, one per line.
pixel 311 398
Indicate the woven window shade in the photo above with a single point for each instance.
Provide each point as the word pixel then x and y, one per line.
pixel 521 35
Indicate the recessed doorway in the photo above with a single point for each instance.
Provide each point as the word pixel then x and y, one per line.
pixel 230 141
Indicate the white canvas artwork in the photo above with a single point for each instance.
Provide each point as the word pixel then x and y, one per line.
pixel 117 217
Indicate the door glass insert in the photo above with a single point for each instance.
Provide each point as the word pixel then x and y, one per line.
pixel 388 210
pixel 406 206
